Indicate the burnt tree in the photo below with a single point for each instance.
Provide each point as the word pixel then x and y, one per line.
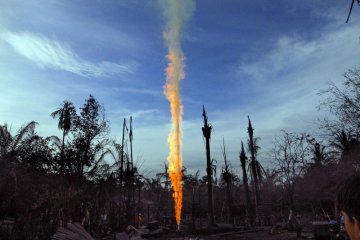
pixel 254 169
pixel 206 129
pixel 227 177
pixel 249 212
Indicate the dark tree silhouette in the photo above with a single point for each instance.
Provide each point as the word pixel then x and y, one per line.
pixel 342 141
pixel 343 131
pixel 344 103
pixel 66 115
pixel 206 129
pixel 89 126
pixel 291 154
pixel 36 154
pixel 243 159
pixel 227 177
pixel 9 145
pixel 121 169
pixel 255 169
pixel 318 153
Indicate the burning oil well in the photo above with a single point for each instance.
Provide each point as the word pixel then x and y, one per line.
pixel 177 12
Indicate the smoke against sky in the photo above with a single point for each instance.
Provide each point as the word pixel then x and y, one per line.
pixel 243 58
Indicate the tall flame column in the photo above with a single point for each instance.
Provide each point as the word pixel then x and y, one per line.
pixel 177 12
pixel 174 74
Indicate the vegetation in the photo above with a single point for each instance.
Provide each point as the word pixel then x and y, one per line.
pixel 46 182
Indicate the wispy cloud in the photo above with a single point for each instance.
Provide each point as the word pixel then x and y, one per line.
pixel 145 114
pixel 52 54
pixel 287 51
pixel 299 57
pixel 140 91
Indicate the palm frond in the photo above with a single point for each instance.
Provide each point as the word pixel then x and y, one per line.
pixel 23 132
pixel 105 153
pixel 55 141
pixel 5 139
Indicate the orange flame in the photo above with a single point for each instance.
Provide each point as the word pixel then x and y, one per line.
pixel 177 12
pixel 174 73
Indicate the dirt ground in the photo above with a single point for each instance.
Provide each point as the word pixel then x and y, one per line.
pixel 258 235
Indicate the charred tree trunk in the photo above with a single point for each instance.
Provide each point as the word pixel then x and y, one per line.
pixel 193 209
pixel 121 176
pixel 62 159
pixel 249 212
pixel 227 177
pixel 138 217
pixel 129 180
pixel 254 171
pixel 207 135
pixel 122 158
pixel 133 172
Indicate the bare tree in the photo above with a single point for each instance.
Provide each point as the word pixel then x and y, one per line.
pixel 344 103
pixel 343 130
pixel 291 153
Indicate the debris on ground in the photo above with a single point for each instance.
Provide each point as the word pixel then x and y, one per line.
pixel 73 231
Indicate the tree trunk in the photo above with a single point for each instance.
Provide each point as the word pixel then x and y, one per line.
pixel 209 180
pixel 291 200
pixel 138 208
pixel 121 170
pixel 62 154
pixel 193 209
pixel 230 203
pixel 249 212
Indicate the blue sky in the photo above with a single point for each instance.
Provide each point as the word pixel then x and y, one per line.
pixel 266 59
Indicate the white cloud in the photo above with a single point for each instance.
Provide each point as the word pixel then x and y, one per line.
pixel 116 114
pixel 288 52
pixel 336 46
pixel 52 54
pixel 140 91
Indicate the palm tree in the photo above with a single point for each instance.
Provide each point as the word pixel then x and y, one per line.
pixel 9 148
pixel 9 144
pixel 5 139
pixel 66 114
pixel 101 150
